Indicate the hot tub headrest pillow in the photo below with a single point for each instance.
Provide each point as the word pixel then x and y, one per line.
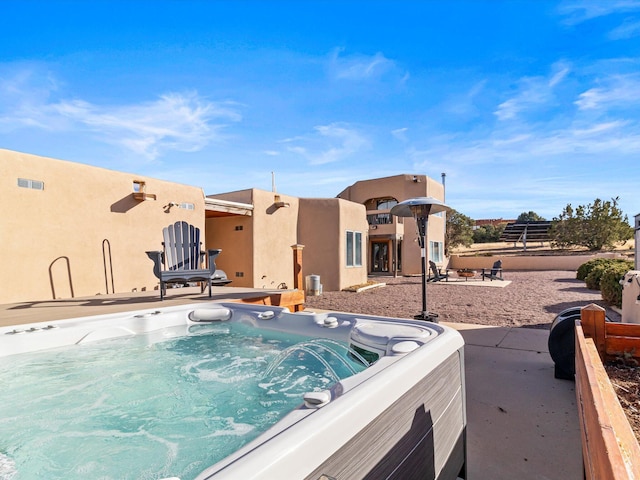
pixel 210 315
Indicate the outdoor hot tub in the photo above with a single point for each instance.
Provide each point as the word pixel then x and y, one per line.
pixel 334 395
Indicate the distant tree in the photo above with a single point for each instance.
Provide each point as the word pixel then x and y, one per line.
pixel 595 226
pixel 459 231
pixel 488 233
pixel 529 216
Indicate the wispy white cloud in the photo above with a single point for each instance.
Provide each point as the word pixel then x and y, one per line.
pixel 535 147
pixel 578 11
pixel 175 121
pixel 628 29
pixel 400 133
pixel 621 91
pixel 463 104
pixel 360 67
pixel 25 88
pixel 533 93
pixel 561 71
pixel 328 144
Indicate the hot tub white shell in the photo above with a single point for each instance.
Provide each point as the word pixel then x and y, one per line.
pixel 403 417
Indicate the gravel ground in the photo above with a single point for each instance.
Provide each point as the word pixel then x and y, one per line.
pixel 532 299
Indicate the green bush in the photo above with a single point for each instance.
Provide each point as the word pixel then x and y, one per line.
pixel 610 287
pixel 600 266
pixel 593 278
pixel 586 268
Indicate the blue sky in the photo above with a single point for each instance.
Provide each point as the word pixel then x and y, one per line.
pixel 525 105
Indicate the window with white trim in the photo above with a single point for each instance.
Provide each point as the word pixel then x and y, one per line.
pixel 436 251
pixel 354 249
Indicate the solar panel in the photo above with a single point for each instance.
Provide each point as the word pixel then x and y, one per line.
pixel 521 232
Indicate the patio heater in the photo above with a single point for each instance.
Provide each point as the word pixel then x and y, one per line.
pixel 420 208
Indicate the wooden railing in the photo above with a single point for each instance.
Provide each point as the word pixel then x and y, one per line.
pixel 609 446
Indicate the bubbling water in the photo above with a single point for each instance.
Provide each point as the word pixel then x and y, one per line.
pixel 126 408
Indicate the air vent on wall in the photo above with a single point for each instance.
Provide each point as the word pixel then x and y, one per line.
pixel 32 184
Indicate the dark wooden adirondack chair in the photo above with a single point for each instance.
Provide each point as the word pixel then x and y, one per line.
pixel 436 275
pixel 182 259
pixel 494 273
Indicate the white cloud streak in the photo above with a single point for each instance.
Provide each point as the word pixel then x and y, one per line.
pixel 400 134
pixel 534 93
pixel 582 10
pixel 620 91
pixel 330 143
pixel 535 148
pixel 174 122
pixel 628 29
pixel 360 67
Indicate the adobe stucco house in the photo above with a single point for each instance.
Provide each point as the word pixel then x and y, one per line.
pixel 257 248
pixel 393 241
pixel 73 230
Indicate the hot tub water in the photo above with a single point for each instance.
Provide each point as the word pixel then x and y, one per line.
pixel 127 408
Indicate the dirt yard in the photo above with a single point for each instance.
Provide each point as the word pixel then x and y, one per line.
pixel 532 299
pixel 626 383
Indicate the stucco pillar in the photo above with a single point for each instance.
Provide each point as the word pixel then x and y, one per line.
pixel 298 281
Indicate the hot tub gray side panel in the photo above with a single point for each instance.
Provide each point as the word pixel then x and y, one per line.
pixel 421 435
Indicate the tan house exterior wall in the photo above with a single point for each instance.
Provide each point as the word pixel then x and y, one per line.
pixel 53 239
pixel 401 187
pixel 261 252
pixel 86 232
pixel 323 226
pixel 256 249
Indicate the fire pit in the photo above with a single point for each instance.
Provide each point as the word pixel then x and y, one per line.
pixel 466 273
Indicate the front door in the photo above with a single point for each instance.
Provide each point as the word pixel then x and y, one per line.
pixel 379 256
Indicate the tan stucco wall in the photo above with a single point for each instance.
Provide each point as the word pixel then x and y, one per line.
pixel 353 218
pixel 52 239
pixel 275 230
pixel 400 187
pixel 262 249
pixel 526 262
pixel 260 252
pixel 323 224
pixel 234 235
pixel 237 247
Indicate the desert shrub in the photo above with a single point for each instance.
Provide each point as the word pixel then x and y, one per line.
pixel 595 226
pixel 594 277
pixel 610 287
pixel 586 268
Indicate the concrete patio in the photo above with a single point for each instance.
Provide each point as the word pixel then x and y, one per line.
pixel 522 422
